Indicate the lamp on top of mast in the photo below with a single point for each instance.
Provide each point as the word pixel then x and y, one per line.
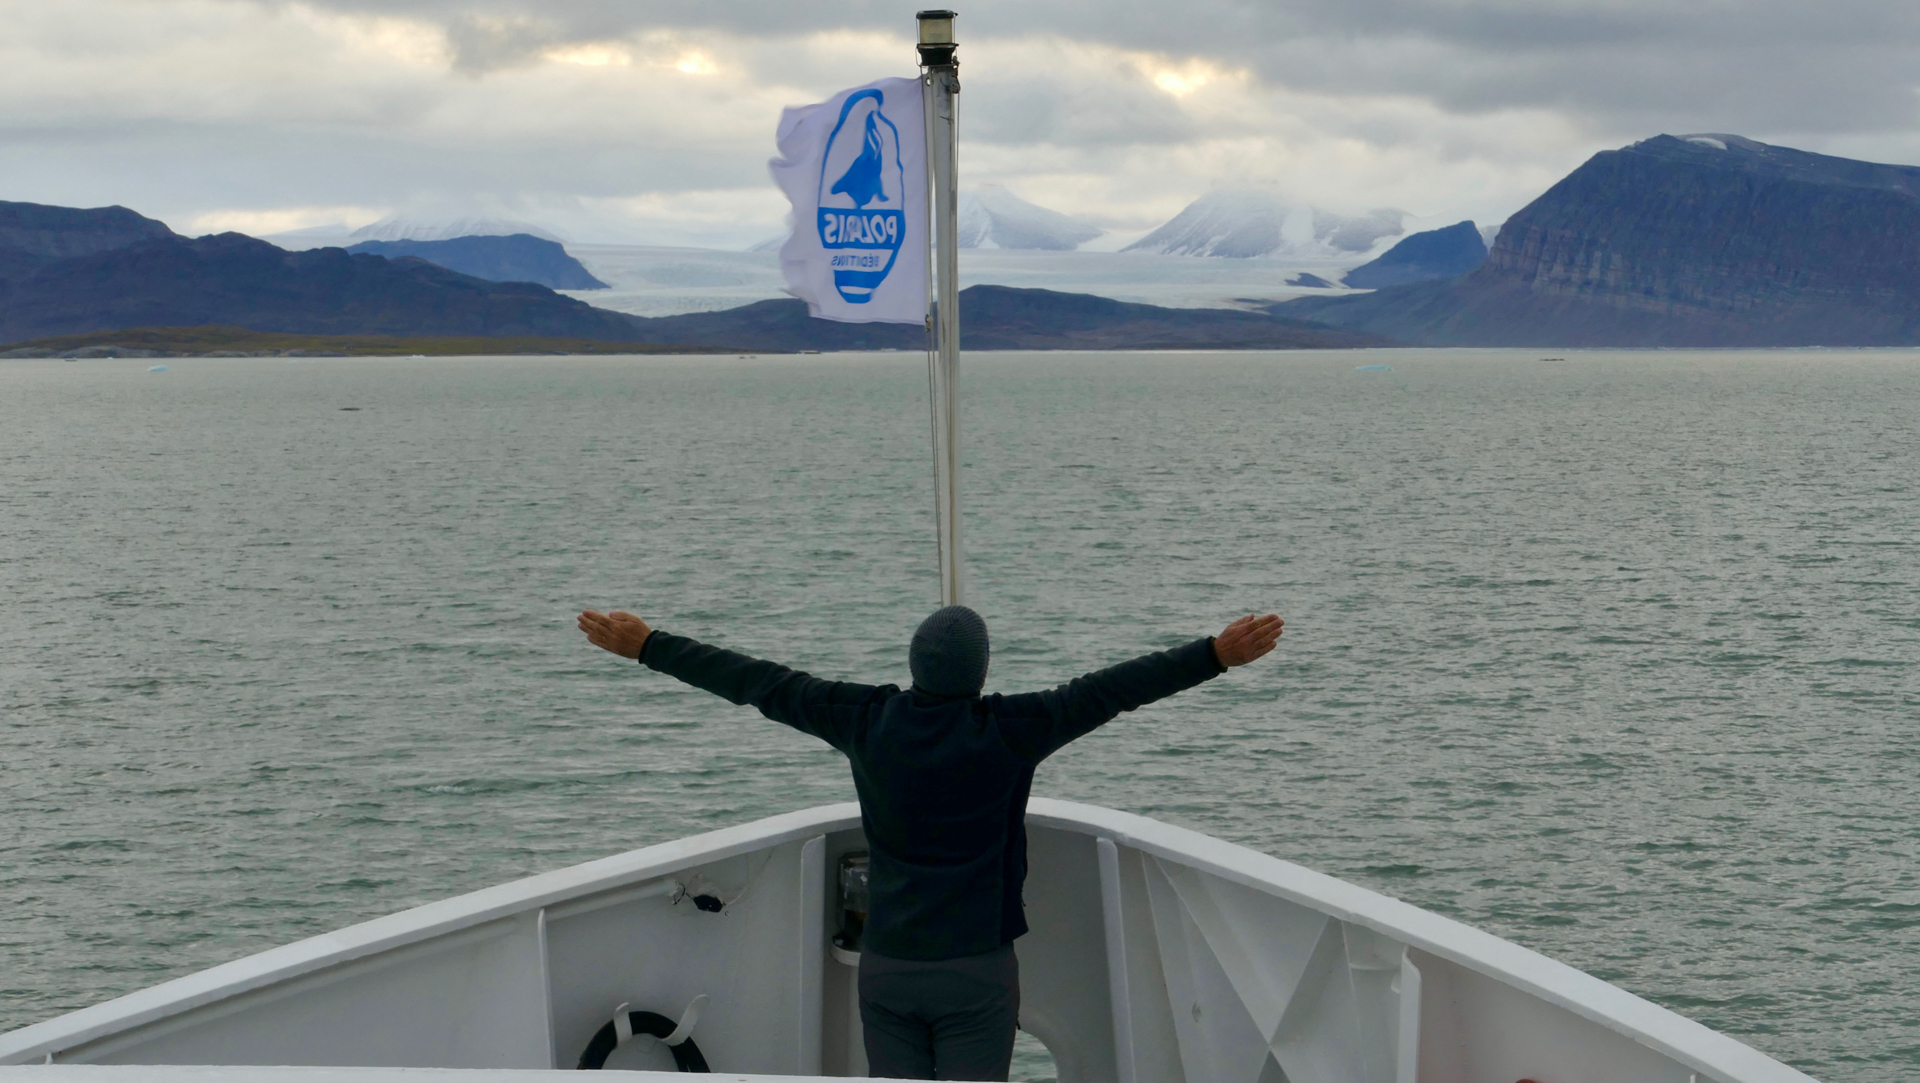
pixel 936 38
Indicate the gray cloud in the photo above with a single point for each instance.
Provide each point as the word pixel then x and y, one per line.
pixel 1763 65
pixel 482 44
pixel 1036 109
pixel 1465 108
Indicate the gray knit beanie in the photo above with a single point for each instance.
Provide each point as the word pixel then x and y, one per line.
pixel 949 653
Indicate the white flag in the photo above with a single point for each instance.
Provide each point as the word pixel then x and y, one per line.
pixel 855 169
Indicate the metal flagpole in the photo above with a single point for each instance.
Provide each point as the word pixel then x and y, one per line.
pixel 940 77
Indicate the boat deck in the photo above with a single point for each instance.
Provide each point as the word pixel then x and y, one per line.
pixel 1157 955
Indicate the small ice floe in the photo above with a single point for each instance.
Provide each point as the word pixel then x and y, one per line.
pixel 1373 368
pixel 156 368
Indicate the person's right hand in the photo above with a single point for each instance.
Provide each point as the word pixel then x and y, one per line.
pixel 1246 639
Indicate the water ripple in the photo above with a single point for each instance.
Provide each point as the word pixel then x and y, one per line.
pixel 1614 658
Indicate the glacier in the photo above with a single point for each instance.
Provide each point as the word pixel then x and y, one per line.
pixel 1005 241
pixel 661 281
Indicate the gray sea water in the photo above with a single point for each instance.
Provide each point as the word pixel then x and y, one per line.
pixel 1617 656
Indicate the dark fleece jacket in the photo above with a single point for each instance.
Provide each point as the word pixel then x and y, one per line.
pixel 943 782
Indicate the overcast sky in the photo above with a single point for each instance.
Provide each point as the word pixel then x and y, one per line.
pixel 653 119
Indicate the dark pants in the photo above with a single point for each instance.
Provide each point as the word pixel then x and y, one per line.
pixel 953 1019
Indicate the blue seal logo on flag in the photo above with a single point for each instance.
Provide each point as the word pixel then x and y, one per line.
pixel 862 197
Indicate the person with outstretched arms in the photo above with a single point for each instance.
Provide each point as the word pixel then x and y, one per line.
pixel 943 774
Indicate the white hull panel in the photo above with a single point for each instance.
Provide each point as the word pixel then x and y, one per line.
pixel 1157 954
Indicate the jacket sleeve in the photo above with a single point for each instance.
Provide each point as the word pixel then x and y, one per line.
pixel 1038 724
pixel 823 709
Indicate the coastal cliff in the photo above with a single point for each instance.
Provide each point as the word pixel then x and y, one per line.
pixel 1680 241
pixel 518 257
pixel 1421 257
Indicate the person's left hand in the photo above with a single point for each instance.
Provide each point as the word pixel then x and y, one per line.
pixel 619 631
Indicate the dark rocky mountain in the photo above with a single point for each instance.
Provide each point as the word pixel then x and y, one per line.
pixel 242 282
pixel 520 257
pixel 1422 257
pixel 37 229
pixel 157 280
pixel 1681 241
pixel 1005 318
pixel 32 234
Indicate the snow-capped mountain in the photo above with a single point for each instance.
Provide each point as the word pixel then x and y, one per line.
pixel 1242 223
pixel 399 228
pixel 992 217
pixel 445 229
